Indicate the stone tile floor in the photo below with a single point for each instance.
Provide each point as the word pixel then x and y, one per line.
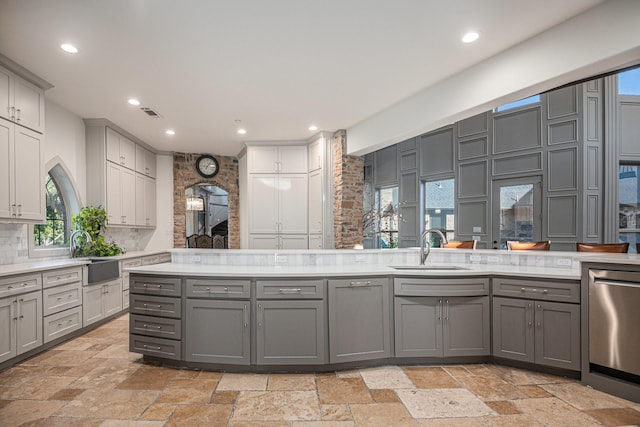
pixel 93 380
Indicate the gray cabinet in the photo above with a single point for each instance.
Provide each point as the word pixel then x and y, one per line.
pixel 359 326
pixel 543 332
pixel 442 326
pixel 290 322
pixel 155 323
pixel 217 331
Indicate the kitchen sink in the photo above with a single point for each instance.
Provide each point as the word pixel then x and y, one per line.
pixel 101 270
pixel 428 267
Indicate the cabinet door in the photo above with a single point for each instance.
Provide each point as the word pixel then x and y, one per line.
pixel 150 202
pixel 316 241
pixel 315 202
pixel 150 166
pixel 29 104
pixel 292 204
pixel 315 155
pixel 292 159
pixel 112 297
pixel 359 319
pixel 294 241
pixel 127 153
pixel 140 200
pixel 6 101
pixel 466 326
pixel 290 332
pixel 263 193
pixel 29 323
pixel 264 241
pixel 557 334
pixel 28 175
pixel 263 159
pixel 91 304
pixel 113 146
pixel 7 327
pixel 418 326
pixel 7 184
pixel 128 196
pixel 218 332
pixel 114 201
pixel 513 334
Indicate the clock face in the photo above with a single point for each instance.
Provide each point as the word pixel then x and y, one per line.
pixel 207 166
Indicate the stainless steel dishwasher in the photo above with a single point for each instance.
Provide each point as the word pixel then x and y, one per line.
pixel 614 320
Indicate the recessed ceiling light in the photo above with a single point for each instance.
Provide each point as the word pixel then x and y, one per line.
pixel 133 101
pixel 470 37
pixel 69 48
pixel 313 127
pixel 170 132
pixel 242 131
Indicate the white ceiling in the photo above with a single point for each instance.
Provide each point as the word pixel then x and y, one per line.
pixel 276 65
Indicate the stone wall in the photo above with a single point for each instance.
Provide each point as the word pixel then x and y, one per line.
pixel 348 180
pixel 185 175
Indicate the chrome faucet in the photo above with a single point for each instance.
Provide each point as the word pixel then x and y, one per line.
pixel 425 242
pixel 72 240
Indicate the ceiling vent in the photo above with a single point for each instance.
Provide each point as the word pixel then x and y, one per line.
pixel 151 113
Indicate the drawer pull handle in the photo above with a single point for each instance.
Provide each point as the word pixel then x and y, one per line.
pixel 10 287
pixel 355 284
pixel 544 291
pixel 152 347
pixel 523 289
pixel 290 290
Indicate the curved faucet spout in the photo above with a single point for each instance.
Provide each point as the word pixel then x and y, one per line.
pixel 73 244
pixel 425 242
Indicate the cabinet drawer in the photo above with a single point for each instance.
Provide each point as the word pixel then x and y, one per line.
pixel 61 277
pixel 537 289
pixel 20 284
pixel 168 286
pixel 209 288
pixel 406 286
pixel 60 324
pixel 156 306
pixel 151 259
pixel 165 257
pixel 155 326
pixel 61 298
pixel 130 263
pixel 158 347
pixel 290 289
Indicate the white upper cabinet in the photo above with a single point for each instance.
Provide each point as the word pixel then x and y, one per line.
pixel 277 159
pixel 145 162
pixel 21 183
pixel 315 155
pixel 120 150
pixel 21 102
pixel 145 201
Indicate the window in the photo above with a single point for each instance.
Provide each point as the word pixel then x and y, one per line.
pixel 629 205
pixel 439 208
pixel 515 104
pixel 629 82
pixel 54 232
pixel 516 212
pixel 51 238
pixel 387 207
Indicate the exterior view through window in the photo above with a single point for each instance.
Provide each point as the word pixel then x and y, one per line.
pixel 629 205
pixel 54 231
pixel 439 209
pixel 387 206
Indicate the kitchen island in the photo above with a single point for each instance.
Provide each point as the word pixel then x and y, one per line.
pixel 325 310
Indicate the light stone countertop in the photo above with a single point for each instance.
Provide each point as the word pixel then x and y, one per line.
pixel 200 270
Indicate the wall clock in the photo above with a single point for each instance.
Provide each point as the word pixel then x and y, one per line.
pixel 207 166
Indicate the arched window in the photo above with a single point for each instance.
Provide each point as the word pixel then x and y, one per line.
pixel 52 238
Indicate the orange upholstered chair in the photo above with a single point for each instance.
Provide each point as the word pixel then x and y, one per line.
pixel 605 247
pixel 460 244
pixel 528 246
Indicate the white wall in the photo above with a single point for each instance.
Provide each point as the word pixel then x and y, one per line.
pixel 65 138
pixel 602 39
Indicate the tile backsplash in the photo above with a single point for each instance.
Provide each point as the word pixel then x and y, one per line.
pixel 14 242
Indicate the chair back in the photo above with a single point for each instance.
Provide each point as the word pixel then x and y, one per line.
pixel 528 246
pixel 204 241
pixel 605 247
pixel 191 241
pixel 460 244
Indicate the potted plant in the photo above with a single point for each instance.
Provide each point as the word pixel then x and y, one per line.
pixel 93 220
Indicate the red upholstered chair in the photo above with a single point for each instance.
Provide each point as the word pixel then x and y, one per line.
pixel 621 248
pixel 528 246
pixel 460 244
